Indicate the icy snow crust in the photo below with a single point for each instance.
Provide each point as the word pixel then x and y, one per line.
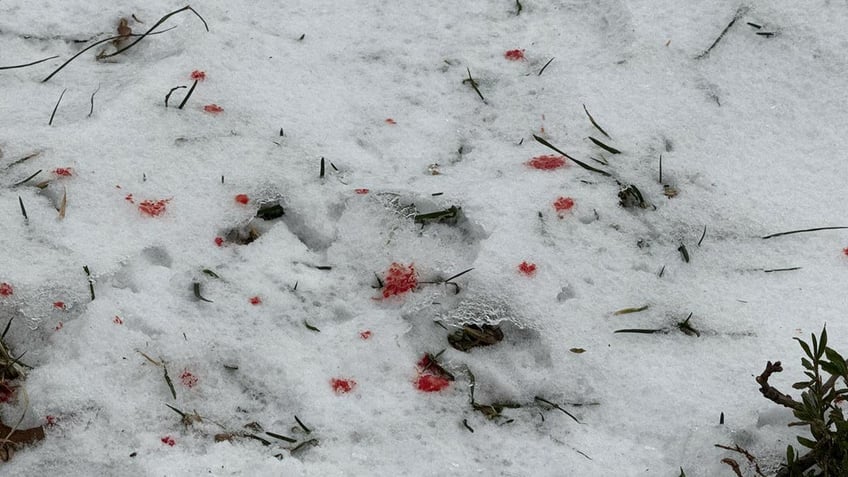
pixel 752 137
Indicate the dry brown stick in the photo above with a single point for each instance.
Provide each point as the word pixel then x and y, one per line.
pixel 771 393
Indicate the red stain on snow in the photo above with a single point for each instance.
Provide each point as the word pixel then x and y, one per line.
pixel 845 251
pixel 342 386
pixel 129 198
pixel 399 279
pixel 255 300
pixel 528 269
pixel 365 334
pixel 219 241
pixel 242 199
pixel 361 191
pixel 213 108
pixel 153 208
pixel 429 383
pixel 546 162
pixel 7 391
pixel 198 75
pixel 6 289
pixel 59 305
pixel 168 440
pixel 391 121
pixel 49 420
pixel 563 203
pixel 59 326
pixel 514 55
pixel 63 171
pixel 432 377
pixel 117 320
pixel 188 379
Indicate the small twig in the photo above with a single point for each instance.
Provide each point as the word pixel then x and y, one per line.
pixel 771 393
pixel 733 465
pixel 50 123
pixel 546 65
pixel 27 64
pixel 804 230
pixel 188 95
pixel 310 327
pixel 518 7
pixel 751 458
pixel 322 169
pixel 281 437
pixel 465 423
pixel 625 311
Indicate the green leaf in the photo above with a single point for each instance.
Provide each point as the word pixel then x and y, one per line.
pixel 806 442
pixel 837 360
pixel 790 455
pixel 806 363
pixel 822 342
pixel 804 346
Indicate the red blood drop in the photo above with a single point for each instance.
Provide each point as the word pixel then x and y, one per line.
pixel 342 386
pixel 430 383
pixel 242 199
pixel 528 269
pixel 514 55
pixel 547 162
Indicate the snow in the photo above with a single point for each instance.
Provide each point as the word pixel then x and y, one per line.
pixel 750 137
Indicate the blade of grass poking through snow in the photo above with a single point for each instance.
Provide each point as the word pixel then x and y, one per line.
pixel 449 213
pixel 687 329
pixel 473 84
pixel 594 123
pixel 23 209
pixel 322 169
pixel 281 437
pixel 556 406
pixel 182 414
pixel 210 273
pixel 27 64
pixel 310 327
pixel 772 270
pixel 704 234
pixel 161 20
pixel 641 331
pixel 64 204
pixel 198 295
pixel 168 96
pixel 168 380
pixel 302 425
pixel 625 311
pixel 803 231
pixel 310 442
pixel 100 42
pixel 27 179
pixel 55 108
pixel 6 329
pixel 518 8
pixel 660 169
pixel 546 65
pixel 188 95
pixel 581 164
pixel 90 281
pixel 739 12
pixel 24 159
pixel 603 146
pixel 683 252
pixel 91 111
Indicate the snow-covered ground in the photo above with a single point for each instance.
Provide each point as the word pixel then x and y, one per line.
pixel 752 139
